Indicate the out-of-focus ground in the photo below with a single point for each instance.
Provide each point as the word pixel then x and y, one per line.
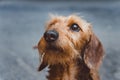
pixel 22 25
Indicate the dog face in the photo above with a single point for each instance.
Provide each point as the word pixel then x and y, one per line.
pixel 64 40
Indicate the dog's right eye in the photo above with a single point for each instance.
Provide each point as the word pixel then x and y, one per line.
pixel 75 27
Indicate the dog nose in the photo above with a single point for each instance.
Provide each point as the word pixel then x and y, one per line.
pixel 51 35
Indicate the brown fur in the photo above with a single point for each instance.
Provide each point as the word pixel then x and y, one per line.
pixel 75 55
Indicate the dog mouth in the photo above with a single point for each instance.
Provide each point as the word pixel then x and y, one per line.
pixel 54 48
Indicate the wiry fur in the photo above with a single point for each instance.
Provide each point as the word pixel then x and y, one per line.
pixel 74 55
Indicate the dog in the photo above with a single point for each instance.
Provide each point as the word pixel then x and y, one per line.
pixel 70 49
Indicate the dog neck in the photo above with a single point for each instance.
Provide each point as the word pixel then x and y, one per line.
pixel 73 70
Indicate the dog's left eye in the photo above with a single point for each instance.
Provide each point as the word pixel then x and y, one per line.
pixel 75 27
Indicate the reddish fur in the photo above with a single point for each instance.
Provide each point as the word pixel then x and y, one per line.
pixel 77 55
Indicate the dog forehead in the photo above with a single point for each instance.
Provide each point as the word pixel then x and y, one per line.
pixel 56 22
pixel 57 19
pixel 68 21
pixel 78 20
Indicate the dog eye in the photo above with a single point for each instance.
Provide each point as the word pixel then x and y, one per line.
pixel 75 27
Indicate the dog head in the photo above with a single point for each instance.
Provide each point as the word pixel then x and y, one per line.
pixel 67 38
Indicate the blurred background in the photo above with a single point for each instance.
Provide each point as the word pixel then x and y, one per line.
pixel 22 25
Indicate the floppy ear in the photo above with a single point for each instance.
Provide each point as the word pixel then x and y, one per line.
pixel 43 63
pixel 93 53
pixel 42 66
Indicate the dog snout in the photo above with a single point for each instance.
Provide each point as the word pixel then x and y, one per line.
pixel 51 35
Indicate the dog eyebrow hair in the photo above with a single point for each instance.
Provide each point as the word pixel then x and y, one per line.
pixel 71 21
pixel 53 22
pixel 69 25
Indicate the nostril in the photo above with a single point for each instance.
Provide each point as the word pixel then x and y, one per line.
pixel 51 35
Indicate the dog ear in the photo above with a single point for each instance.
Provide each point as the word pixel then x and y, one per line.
pixel 93 53
pixel 43 63
pixel 42 66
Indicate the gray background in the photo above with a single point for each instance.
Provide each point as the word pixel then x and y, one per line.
pixel 22 25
